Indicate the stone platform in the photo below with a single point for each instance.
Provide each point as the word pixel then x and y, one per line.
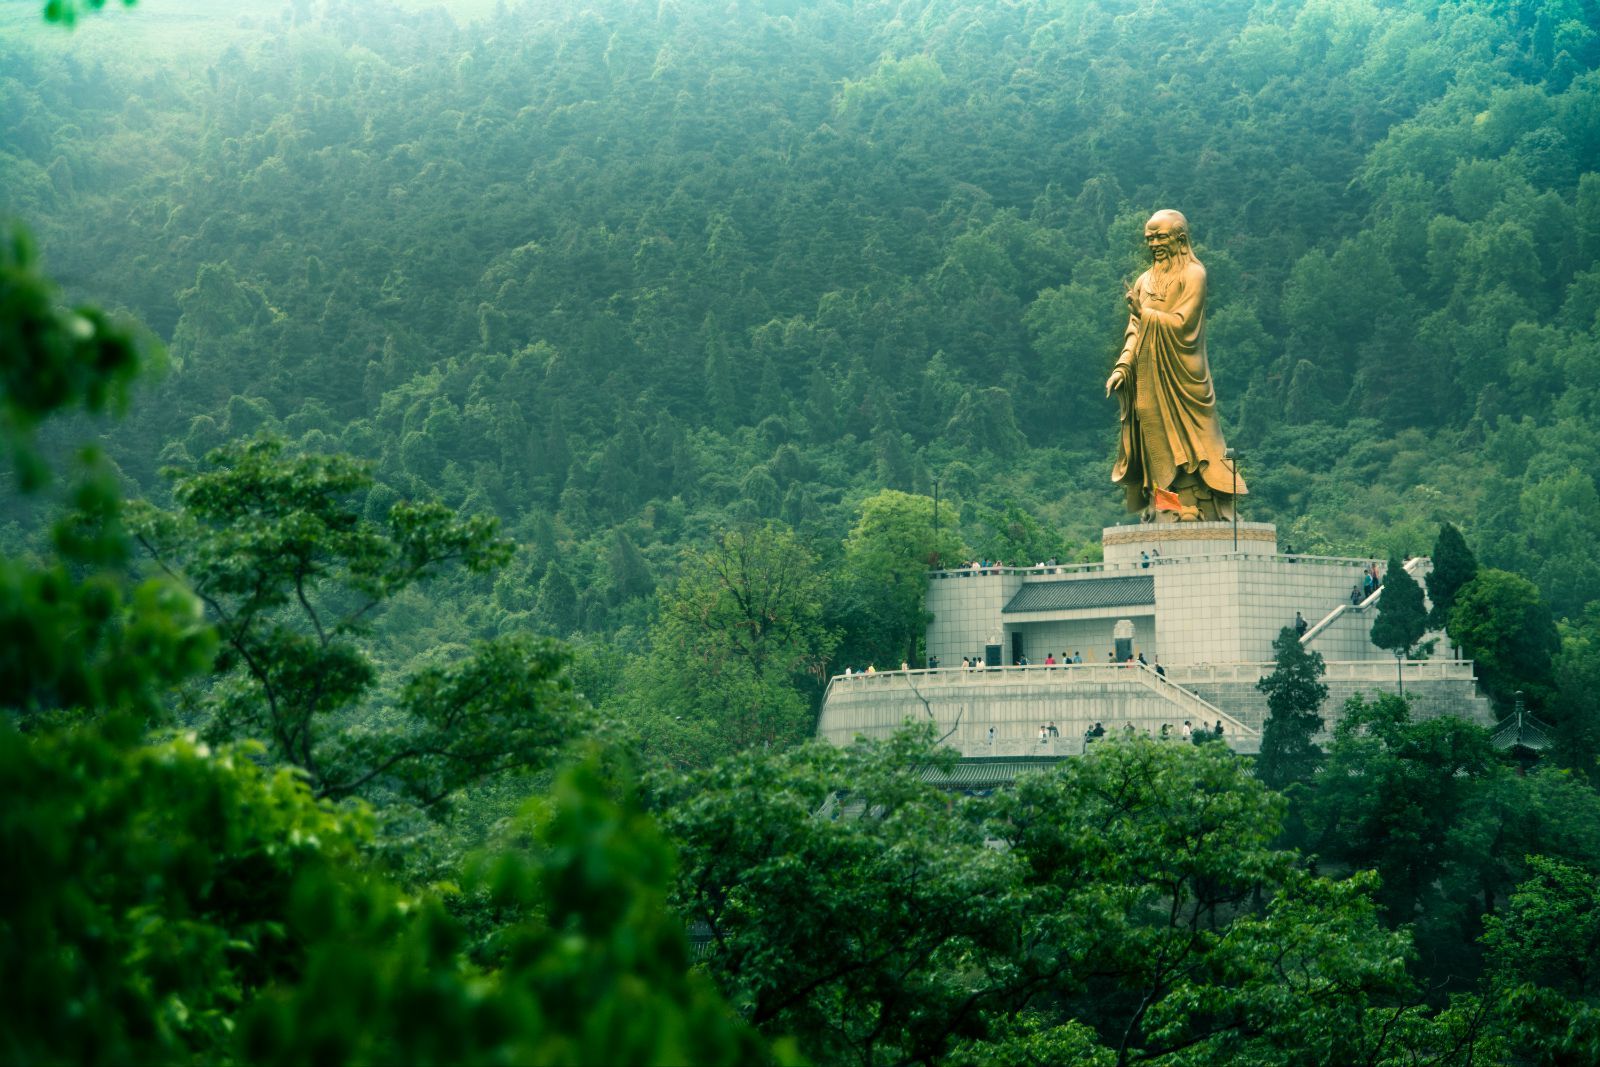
pixel 1016 701
pixel 1180 594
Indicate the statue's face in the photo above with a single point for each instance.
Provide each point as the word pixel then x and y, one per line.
pixel 1161 237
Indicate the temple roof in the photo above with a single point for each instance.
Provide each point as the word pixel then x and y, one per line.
pixel 1120 592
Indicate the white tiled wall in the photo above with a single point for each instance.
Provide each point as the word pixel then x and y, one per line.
pixel 1212 605
pixel 1092 637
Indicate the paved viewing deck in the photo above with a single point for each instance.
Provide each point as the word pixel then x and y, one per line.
pixel 1016 701
pixel 966 704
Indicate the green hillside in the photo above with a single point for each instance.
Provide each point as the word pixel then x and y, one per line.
pixel 688 335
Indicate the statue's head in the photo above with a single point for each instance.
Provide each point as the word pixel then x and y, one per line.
pixel 1167 235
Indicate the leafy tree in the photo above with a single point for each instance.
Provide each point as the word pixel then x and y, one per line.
pixel 1542 955
pixel 1402 618
pixel 1501 622
pixel 847 901
pixel 593 969
pixel 1142 861
pixel 1453 567
pixel 291 574
pixel 1295 694
pixel 77 635
pixel 150 884
pixel 738 636
pixel 886 560
pixel 1390 795
pixel 1575 707
pixel 1015 536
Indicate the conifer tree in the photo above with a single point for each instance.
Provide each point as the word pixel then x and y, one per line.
pixel 1402 619
pixel 821 406
pixel 1453 567
pixel 557 606
pixel 630 574
pixel 1294 695
pixel 722 398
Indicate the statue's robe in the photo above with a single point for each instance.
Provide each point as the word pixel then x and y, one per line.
pixel 1169 408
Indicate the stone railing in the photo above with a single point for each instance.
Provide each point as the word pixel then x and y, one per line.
pixel 1129 566
pixel 928 681
pixel 1197 706
pixel 1359 670
pixel 985 675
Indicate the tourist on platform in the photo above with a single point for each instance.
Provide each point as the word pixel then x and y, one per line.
pixel 1077 657
pixel 1054 733
pixel 904 665
pixel 1166 729
pixel 966 664
pixel 1099 730
pixel 848 671
pixel 871 669
pixel 1299 625
pixel 1142 661
pixel 1187 732
pixel 991 735
pixel 1044 735
pixel 1161 672
pixel 1355 594
pixel 1049 659
pixel 1144 560
pixel 1219 730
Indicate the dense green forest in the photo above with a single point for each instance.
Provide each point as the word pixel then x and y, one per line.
pixel 505 418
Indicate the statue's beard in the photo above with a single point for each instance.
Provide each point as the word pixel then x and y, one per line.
pixel 1174 260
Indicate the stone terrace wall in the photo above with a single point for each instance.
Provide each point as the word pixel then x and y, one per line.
pixel 1435 689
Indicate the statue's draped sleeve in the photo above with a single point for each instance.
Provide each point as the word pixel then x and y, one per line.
pixel 1164 357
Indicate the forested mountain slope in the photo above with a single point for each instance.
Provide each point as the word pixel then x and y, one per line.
pixel 736 317
pixel 624 273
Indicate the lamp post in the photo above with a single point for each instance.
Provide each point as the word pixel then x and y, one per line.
pixel 1232 456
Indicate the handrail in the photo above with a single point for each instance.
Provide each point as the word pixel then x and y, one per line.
pixel 1166 687
pixel 1412 565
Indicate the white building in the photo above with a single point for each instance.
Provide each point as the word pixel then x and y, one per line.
pixel 1204 600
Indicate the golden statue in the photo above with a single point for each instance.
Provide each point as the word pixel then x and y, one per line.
pixel 1172 463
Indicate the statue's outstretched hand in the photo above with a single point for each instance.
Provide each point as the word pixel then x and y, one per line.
pixel 1118 376
pixel 1134 308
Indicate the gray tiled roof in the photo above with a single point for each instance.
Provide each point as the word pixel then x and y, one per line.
pixel 1119 592
pixel 978 773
